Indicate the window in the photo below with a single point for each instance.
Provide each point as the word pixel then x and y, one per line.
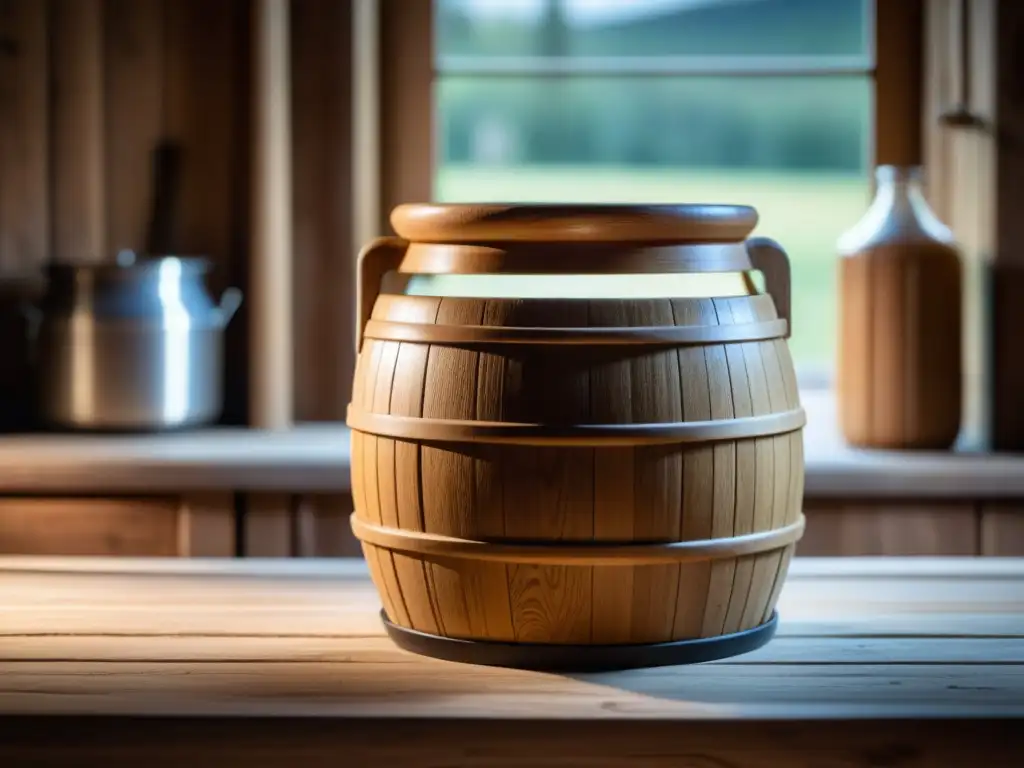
pixel 775 103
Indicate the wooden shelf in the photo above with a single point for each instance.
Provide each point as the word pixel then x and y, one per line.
pixel 315 458
pixel 303 458
pixel 836 471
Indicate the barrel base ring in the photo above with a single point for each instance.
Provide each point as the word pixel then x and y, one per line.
pixel 581 658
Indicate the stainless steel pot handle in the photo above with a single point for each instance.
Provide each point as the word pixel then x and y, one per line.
pixel 230 301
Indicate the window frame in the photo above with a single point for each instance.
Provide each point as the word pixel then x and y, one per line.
pixel 394 44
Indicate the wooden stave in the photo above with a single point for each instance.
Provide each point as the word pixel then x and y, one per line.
pixel 546 582
pixel 513 312
pixel 483 459
pixel 631 632
pixel 510 316
pixel 565 258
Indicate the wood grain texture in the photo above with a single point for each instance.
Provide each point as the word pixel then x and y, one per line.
pixel 573 258
pixel 854 529
pixel 723 494
pixel 745 481
pixel 124 526
pixel 899 367
pixel 449 476
pixel 206 525
pixel 270 284
pixel 24 133
pixel 923 597
pixel 993 203
pixel 765 475
pixel 1002 530
pixel 548 492
pixel 470 483
pixel 407 393
pixel 407 68
pixel 365 468
pixel 133 106
pixel 323 527
pixel 166 742
pixel 314 457
pixel 698 473
pixel 899 31
pixel 77 141
pixel 913 662
pixel 25 69
pixel 614 482
pixel 323 256
pixel 374 261
pixel 383 460
pixel 269 525
pixel 545 224
pixel 90 86
pixel 786 648
pixel 489 596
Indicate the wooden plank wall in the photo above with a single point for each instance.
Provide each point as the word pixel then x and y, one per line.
pixel 87 89
pixel 1005 102
pixel 195 525
pixel 202 524
pixel 297 525
pixel 209 524
pixel 323 245
pixel 857 527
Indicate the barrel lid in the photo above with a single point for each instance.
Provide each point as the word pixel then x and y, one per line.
pixel 497 222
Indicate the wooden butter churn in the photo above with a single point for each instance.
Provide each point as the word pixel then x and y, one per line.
pixel 576 433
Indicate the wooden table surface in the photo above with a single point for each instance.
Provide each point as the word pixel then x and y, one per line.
pixel 878 662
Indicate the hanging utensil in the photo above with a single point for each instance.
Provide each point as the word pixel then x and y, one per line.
pixel 960 114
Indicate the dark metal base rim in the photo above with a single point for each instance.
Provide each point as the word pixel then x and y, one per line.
pixel 581 658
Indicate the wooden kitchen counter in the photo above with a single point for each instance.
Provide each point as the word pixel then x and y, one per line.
pixel 885 662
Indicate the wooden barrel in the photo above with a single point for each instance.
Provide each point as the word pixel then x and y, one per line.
pixel 586 481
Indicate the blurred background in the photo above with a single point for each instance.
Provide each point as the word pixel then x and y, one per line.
pixel 298 127
pixel 761 102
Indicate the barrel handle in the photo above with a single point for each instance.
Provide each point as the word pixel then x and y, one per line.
pixel 379 257
pixel 769 259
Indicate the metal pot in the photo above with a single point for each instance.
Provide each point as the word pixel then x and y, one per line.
pixel 136 345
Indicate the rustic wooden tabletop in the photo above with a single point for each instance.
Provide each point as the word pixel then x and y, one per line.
pixel 878 662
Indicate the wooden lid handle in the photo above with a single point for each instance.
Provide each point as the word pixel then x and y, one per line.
pixel 379 257
pixel 767 257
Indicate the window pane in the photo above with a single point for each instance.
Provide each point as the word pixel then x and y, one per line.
pixel 795 148
pixel 599 28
